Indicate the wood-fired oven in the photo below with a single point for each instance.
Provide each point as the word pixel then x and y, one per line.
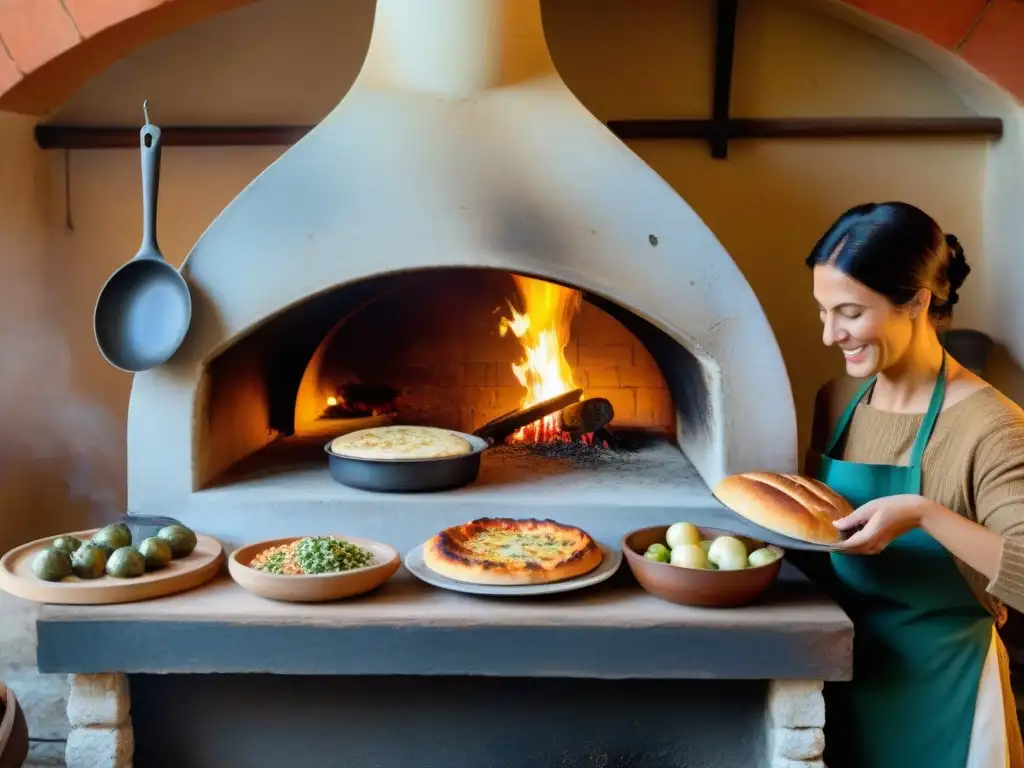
pixel 458 238
pixel 373 272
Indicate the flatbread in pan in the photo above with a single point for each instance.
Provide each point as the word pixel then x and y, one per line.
pixel 401 442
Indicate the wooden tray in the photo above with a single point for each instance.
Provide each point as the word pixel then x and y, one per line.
pixel 16 577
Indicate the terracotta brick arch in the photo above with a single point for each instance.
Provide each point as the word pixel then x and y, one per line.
pixel 50 48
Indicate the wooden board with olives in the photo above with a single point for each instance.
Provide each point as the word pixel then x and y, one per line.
pixel 98 567
pixel 110 552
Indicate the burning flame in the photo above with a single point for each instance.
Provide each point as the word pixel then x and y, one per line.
pixel 543 330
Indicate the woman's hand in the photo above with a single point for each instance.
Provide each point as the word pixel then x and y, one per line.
pixel 880 521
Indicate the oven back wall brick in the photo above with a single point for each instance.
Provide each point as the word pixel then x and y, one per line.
pixel 439 345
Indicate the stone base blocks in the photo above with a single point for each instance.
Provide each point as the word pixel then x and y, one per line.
pixel 101 727
pixel 796 722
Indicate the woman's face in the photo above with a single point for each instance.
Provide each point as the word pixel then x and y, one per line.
pixel 871 332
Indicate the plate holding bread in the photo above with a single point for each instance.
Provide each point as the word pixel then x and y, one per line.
pixel 795 506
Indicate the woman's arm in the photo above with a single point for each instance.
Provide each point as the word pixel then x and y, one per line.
pixel 971 542
pixel 999 507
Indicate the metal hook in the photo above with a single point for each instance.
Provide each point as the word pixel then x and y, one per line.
pixel 145 110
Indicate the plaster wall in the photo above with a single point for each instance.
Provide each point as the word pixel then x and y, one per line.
pixel 58 445
pixel 766 204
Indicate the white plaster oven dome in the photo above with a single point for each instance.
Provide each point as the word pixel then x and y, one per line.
pixel 459 146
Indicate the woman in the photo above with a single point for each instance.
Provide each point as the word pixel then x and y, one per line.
pixel 932 459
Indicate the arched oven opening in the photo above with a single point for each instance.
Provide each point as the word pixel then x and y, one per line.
pixel 453 348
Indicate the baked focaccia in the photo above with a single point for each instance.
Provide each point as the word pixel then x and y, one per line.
pixel 401 442
pixel 504 551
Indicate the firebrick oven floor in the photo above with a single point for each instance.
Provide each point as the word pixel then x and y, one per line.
pixel 650 470
pixel 286 490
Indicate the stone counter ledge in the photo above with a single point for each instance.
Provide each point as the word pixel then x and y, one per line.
pixel 612 631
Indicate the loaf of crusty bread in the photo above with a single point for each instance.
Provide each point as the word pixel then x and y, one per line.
pixel 794 506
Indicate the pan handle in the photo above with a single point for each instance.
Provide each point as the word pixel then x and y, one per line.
pixel 150 144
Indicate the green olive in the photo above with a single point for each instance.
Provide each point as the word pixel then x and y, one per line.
pixel 180 539
pixel 51 565
pixel 66 544
pixel 659 553
pixel 89 562
pixel 126 563
pixel 113 537
pixel 156 552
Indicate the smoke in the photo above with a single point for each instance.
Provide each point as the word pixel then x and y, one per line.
pixel 51 431
pixel 61 452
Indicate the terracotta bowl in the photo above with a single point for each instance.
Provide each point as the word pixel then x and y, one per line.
pixel 690 586
pixel 13 730
pixel 316 588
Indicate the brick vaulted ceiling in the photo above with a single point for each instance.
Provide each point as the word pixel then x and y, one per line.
pixel 50 48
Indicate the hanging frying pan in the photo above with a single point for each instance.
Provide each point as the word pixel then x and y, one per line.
pixel 144 309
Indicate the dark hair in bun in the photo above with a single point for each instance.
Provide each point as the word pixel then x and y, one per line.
pixel 957 271
pixel 896 249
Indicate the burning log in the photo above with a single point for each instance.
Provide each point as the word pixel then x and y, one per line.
pixel 530 420
pixel 586 416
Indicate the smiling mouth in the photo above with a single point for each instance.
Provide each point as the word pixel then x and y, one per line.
pixel 855 352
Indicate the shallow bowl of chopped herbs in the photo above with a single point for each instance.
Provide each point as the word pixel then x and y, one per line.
pixel 313 569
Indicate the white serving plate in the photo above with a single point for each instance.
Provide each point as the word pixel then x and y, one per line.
pixel 609 565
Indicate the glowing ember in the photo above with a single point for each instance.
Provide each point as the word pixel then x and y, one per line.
pixel 366 401
pixel 543 330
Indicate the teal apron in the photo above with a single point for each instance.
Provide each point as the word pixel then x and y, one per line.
pixel 921 636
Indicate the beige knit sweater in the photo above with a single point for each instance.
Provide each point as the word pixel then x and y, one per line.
pixel 973 465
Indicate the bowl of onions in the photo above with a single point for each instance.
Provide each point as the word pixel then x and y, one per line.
pixel 706 567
